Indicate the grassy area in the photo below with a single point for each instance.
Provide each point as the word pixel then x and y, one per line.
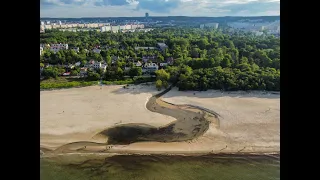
pixel 136 80
pixel 63 82
pixel 128 81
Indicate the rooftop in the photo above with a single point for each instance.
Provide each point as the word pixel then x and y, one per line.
pixel 162 45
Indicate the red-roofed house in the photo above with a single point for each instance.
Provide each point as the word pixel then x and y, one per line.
pixel 66 74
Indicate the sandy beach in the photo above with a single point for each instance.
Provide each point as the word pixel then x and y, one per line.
pixel 249 122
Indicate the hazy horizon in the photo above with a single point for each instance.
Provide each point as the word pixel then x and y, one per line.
pixel 156 17
pixel 138 8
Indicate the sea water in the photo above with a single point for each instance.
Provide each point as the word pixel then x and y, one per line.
pixel 162 167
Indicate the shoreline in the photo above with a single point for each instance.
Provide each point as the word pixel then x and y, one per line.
pixel 237 91
pixel 273 155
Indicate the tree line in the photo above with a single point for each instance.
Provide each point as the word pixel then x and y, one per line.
pixel 203 58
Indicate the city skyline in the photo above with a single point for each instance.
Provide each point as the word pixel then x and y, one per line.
pixel 138 8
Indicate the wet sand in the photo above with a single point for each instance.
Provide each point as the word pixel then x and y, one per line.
pixel 191 131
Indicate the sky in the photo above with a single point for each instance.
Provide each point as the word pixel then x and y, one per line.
pixel 138 8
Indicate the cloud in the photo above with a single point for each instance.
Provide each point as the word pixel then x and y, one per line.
pixel 104 8
pixel 49 2
pixel 231 7
pixel 253 7
pixel 62 2
pixel 111 2
pixel 75 2
pixel 161 6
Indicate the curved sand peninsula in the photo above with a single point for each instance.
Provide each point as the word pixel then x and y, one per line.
pixel 191 123
pixel 188 122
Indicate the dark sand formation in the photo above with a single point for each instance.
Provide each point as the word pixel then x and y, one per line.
pixel 192 122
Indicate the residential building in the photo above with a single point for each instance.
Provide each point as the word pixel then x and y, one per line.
pixel 163 64
pixel 144 70
pixel 97 65
pixel 105 28
pixel 104 67
pixel 60 45
pixel 145 48
pixel 45 46
pixel 170 60
pixel 91 61
pixel 129 59
pixel 162 46
pixel 41 50
pixel 128 26
pixel 210 25
pixel 151 67
pixel 76 49
pixel 114 58
pixel 41 69
pixel 149 58
pixel 77 63
pixel 115 28
pixel 88 65
pixel 71 66
pixel 96 50
pixel 83 72
pixel 54 49
pixel 47 27
pixel 138 64
pixel 140 26
pixel 66 74
pixel 134 26
pixel 57 47
pixel 257 33
pixel 127 68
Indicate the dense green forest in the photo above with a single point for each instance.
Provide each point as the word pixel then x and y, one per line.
pixel 203 59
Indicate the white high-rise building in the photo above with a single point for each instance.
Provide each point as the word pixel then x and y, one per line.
pixel 57 47
pixel 105 28
pixel 210 25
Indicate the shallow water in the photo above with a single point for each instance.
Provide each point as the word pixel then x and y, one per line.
pixel 161 167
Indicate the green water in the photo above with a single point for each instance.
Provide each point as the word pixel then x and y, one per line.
pixel 163 168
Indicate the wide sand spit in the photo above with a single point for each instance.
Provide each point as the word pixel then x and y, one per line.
pixel 113 119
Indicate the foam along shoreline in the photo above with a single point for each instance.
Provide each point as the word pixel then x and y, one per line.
pixel 208 137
